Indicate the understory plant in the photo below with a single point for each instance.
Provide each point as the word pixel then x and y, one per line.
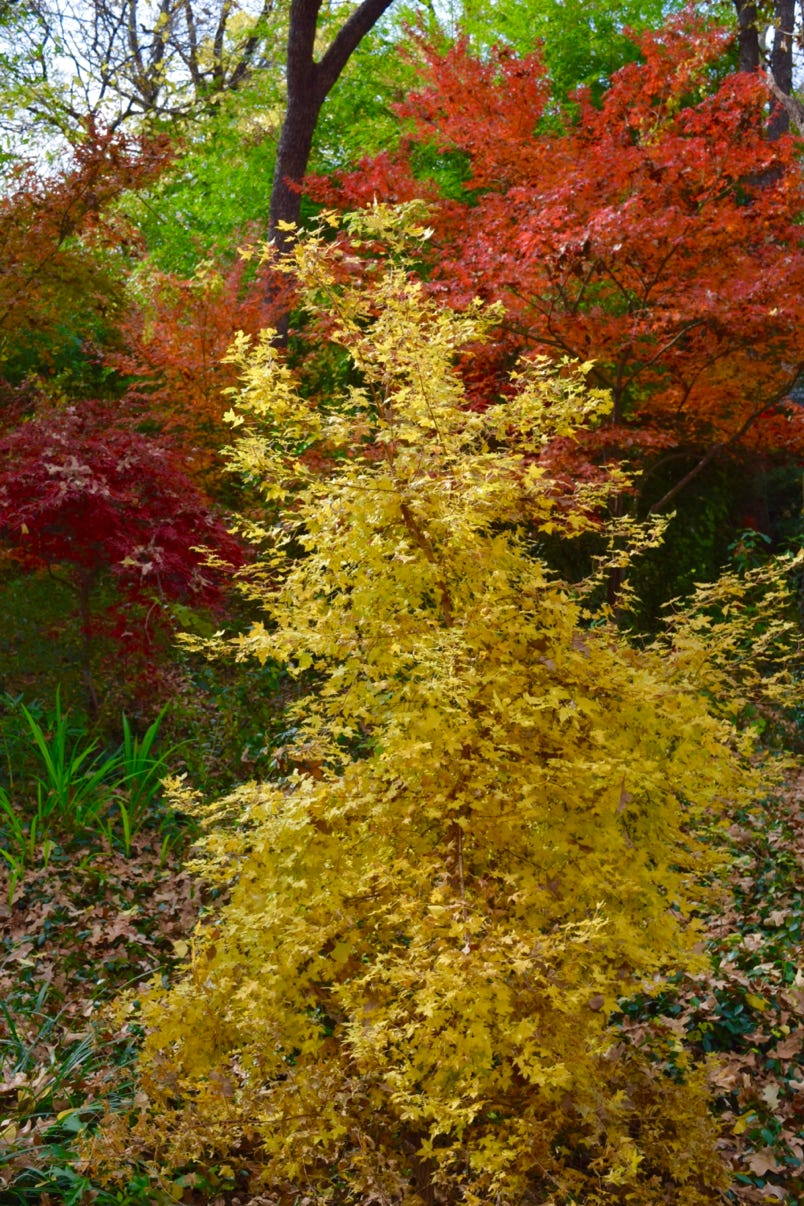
pixel 492 820
pixel 63 785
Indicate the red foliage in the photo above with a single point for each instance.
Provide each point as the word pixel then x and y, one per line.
pixel 60 241
pixel 176 338
pixel 657 236
pixel 80 488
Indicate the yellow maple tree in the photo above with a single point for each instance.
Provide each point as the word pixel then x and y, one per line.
pixel 492 822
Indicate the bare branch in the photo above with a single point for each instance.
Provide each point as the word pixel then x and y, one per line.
pixel 722 445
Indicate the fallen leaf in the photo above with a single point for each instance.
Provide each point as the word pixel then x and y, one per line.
pixel 790 1046
pixel 763 1162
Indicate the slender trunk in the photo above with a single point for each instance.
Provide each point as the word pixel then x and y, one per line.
pixel 305 98
pixel 781 56
pixel 748 36
pixel 616 574
pixel 293 155
pixel 86 581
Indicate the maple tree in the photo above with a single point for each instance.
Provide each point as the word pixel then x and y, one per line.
pixel 583 41
pixel 81 492
pixel 487 832
pixel 174 335
pixel 656 235
pixel 62 243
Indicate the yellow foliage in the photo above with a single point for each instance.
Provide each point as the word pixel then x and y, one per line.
pixel 738 638
pixel 490 834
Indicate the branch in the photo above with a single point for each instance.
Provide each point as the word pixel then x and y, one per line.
pixel 733 439
pixel 217 44
pixel 792 106
pixel 424 544
pixel 192 47
pixel 362 20
pixel 249 50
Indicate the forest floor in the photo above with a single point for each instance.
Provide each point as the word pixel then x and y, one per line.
pixel 94 922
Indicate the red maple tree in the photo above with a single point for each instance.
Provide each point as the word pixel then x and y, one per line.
pixel 175 334
pixel 657 236
pixel 61 239
pixel 83 495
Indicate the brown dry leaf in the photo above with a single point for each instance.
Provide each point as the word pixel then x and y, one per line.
pixel 791 1046
pixel 763 1162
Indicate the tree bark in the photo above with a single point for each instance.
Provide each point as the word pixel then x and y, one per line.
pixel 781 65
pixel 84 586
pixel 793 106
pixel 748 37
pixel 309 83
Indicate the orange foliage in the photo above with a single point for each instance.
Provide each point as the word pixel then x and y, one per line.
pixel 657 236
pixel 176 337
pixel 61 239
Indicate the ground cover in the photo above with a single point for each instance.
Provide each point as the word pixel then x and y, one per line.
pixel 75 933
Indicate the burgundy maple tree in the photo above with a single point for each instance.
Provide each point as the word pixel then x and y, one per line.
pixel 83 495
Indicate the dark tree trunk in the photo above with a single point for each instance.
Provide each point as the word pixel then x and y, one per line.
pixel 309 83
pixel 748 37
pixel 84 588
pixel 781 56
pixel 781 64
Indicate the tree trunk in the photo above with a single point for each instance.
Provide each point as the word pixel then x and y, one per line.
pixel 748 37
pixel 84 588
pixel 781 56
pixel 781 64
pixel 309 83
